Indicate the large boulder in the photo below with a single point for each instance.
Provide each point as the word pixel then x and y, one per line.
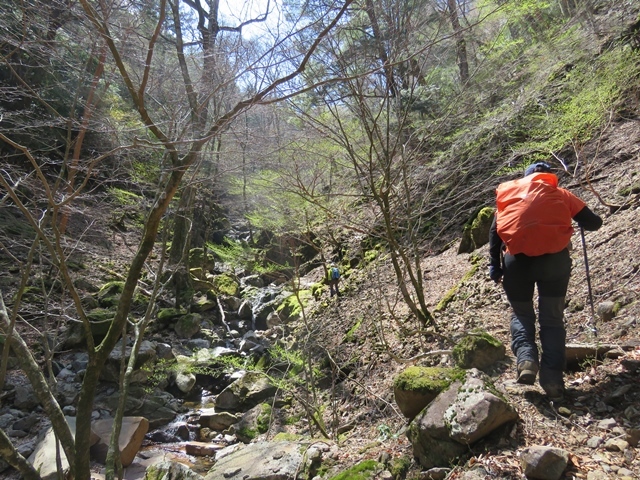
pixel 111 370
pixel 159 407
pixel 131 436
pixel 467 411
pixel 44 456
pixel 246 392
pixel 260 461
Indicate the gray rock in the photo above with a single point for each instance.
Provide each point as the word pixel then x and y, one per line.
pixel 606 311
pixel 185 381
pixel 544 463
pixel 216 420
pixel 246 392
pixel 25 398
pixel 465 412
pixel 44 456
pixel 616 445
pixel 245 312
pixel 26 423
pixel 435 473
pixel 233 303
pixel 594 442
pixel 131 436
pixel 259 461
pixel 164 351
pixel 607 424
pixel 477 411
pixel 198 344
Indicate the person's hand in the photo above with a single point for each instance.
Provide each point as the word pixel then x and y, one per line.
pixel 495 273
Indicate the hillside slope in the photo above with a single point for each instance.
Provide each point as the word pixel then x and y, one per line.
pixel 360 334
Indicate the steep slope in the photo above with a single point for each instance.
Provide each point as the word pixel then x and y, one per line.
pixel 373 345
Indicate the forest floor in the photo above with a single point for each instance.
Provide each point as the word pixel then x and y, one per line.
pixel 359 330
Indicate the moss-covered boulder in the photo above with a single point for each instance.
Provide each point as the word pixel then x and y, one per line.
pixel 291 307
pixel 468 410
pixel 100 320
pixel 416 387
pixel 169 316
pixel 254 422
pixel 476 231
pixel 225 284
pixel 109 294
pixel 188 325
pixel 478 350
pixel 246 392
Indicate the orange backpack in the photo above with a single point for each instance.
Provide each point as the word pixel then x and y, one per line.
pixel 534 215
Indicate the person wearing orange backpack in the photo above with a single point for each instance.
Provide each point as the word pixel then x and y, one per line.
pixel 529 244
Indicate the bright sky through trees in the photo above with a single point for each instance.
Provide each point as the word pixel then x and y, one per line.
pixel 234 12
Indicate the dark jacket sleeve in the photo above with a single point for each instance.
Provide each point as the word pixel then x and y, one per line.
pixel 588 220
pixel 495 245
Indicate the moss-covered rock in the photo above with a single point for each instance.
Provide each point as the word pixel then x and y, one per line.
pixel 291 307
pixel 254 422
pixel 416 387
pixel 478 350
pixel 476 232
pixel 168 316
pixel 225 284
pixel 188 325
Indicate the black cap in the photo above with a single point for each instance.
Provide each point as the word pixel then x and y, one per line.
pixel 537 167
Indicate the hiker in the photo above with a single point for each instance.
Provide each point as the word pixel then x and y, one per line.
pixel 529 244
pixel 334 279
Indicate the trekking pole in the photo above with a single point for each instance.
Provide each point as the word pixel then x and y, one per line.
pixel 586 267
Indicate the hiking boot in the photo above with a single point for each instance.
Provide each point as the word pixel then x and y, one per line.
pixel 527 372
pixel 555 391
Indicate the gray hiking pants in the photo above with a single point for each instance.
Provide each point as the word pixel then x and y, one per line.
pixel 550 273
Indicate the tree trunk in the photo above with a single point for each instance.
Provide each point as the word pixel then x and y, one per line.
pixel 461 45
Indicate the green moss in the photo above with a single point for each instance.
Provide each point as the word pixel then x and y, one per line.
pixel 30 294
pixel 226 285
pixel 450 295
pixel 111 288
pixel 291 306
pixel 630 190
pixel 317 289
pixel 360 471
pixel 247 433
pixel 370 255
pixel 100 315
pixel 427 379
pixel 166 314
pixel 463 352
pixel 399 466
pixel 483 215
pixel 286 437
pixel 264 418
pixel 351 334
pixel 124 197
